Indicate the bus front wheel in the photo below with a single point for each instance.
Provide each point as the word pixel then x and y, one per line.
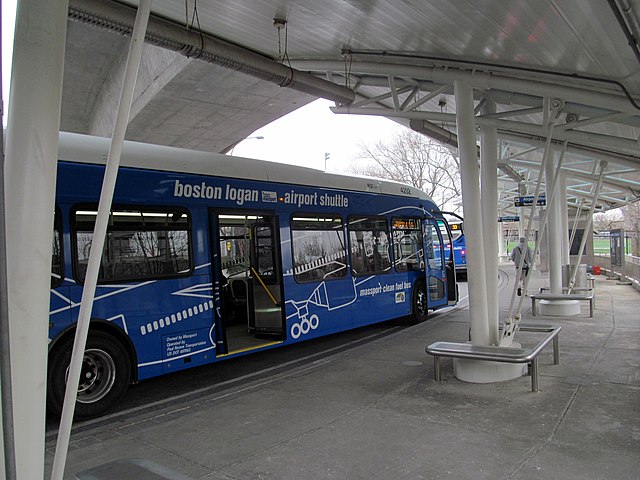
pixel 419 304
pixel 104 376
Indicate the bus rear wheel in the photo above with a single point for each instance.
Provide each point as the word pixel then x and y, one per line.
pixel 104 376
pixel 419 304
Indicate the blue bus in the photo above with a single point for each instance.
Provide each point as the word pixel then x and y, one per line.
pixel 209 256
pixel 459 248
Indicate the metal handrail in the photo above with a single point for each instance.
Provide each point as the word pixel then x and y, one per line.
pixel 493 353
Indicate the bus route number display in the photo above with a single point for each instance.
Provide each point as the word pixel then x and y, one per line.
pixel 405 224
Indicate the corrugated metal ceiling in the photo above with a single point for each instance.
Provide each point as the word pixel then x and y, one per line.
pixel 401 59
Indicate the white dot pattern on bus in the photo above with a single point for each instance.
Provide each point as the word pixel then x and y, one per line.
pixel 176 317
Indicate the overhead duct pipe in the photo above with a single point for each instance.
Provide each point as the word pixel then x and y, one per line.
pixel 432 130
pixel 119 18
pixel 624 12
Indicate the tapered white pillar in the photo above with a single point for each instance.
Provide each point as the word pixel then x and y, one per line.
pixel 31 157
pixel 470 179
pixel 523 221
pixel 555 228
pixel 500 233
pixel 489 206
pixel 476 371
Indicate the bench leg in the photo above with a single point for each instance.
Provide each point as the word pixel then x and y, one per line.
pixel 591 308
pixel 436 367
pixel 534 374
pixel 533 307
pixel 556 350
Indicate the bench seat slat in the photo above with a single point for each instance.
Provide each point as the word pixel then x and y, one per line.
pixel 562 296
pixel 452 349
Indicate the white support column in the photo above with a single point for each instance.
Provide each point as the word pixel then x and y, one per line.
pixel 467 370
pixel 553 231
pixel 564 217
pixel 555 234
pixel 30 175
pixel 523 221
pixel 470 179
pixel 500 233
pixel 489 205
pixel 99 234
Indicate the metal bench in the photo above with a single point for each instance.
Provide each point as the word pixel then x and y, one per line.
pixel 580 294
pixel 500 354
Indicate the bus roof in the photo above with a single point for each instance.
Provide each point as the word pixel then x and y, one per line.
pixel 90 149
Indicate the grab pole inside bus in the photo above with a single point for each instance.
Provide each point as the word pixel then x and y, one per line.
pixel 99 234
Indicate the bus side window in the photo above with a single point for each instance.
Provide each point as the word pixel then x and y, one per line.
pixel 140 244
pixel 369 245
pixel 264 253
pixel 318 248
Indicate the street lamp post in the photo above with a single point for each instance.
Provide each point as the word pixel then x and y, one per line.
pixel 230 151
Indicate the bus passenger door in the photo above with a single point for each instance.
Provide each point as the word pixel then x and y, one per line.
pixel 266 280
pixel 435 265
pixel 248 279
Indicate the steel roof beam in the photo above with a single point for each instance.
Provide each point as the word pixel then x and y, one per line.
pixel 485 81
pixel 504 97
pixel 623 145
pixel 628 185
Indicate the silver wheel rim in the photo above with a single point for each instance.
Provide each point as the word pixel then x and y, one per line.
pixel 97 376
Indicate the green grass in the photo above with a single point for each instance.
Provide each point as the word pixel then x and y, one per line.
pixel 512 245
pixel 600 246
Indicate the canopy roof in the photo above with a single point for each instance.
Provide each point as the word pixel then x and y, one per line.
pixel 216 71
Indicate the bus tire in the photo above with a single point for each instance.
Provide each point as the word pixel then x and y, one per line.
pixel 419 304
pixel 104 378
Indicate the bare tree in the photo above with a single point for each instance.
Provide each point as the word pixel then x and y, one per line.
pixel 413 158
pixel 603 222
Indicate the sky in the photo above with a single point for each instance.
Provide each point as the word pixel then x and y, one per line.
pixel 305 135
pixel 300 138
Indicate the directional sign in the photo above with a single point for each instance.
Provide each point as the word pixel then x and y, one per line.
pixel 527 200
pixel 509 218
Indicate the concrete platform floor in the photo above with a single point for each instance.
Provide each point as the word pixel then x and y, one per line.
pixel 375 412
